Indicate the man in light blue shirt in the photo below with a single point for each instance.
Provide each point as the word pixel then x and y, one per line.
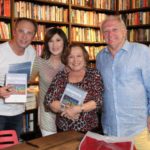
pixel 125 69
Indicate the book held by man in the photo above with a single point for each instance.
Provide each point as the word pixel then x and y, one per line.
pixel 73 95
pixel 18 84
pixel 20 68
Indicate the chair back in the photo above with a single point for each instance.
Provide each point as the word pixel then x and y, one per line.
pixel 8 138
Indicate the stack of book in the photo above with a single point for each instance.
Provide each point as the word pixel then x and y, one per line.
pixel 31 101
pixel 31 98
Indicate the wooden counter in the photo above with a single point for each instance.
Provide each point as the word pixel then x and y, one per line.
pixel 69 140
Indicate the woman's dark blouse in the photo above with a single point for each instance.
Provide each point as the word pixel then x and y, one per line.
pixel 92 83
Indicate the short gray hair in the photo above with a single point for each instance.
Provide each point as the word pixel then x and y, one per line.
pixel 113 17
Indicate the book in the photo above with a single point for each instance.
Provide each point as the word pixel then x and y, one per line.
pixel 21 68
pixel 17 83
pixel 73 95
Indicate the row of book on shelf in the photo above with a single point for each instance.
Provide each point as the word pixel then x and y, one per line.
pixel 5 8
pixel 132 4
pixel 87 17
pixel 137 18
pixel 139 35
pixel 37 11
pixel 5 31
pixel 101 4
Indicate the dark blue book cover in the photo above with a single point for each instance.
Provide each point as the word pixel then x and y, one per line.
pixel 24 68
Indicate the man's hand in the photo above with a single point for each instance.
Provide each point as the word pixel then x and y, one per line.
pixel 5 91
pixel 148 123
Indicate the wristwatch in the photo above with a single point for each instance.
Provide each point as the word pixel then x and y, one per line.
pixel 62 108
pixel 82 109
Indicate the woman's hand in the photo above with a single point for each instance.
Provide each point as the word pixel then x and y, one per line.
pixel 72 112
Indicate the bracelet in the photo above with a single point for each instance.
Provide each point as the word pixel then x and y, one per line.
pixel 62 108
pixel 82 109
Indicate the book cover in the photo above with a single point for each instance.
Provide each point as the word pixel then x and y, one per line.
pixel 21 68
pixel 73 95
pixel 17 83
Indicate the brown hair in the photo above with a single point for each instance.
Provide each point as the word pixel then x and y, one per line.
pixel 49 34
pixel 18 20
pixel 68 51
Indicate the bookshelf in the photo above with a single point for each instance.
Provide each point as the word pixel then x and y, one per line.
pixel 136 16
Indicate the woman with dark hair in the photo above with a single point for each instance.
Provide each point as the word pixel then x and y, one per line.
pixel 76 117
pixel 46 67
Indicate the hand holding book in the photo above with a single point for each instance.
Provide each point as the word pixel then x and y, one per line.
pixel 71 100
pixel 5 91
pixel 72 112
pixel 17 84
pixel 73 95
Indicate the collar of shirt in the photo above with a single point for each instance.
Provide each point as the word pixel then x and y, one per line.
pixel 126 47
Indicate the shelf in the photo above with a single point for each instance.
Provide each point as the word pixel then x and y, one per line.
pixel 144 42
pixel 92 61
pixel 144 26
pixel 53 22
pixel 144 9
pixel 109 12
pixel 90 43
pixel 84 25
pixel 4 40
pixel 33 83
pixel 52 3
pixel 4 18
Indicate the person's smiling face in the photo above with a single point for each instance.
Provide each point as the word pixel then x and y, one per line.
pixel 114 33
pixel 76 60
pixel 56 45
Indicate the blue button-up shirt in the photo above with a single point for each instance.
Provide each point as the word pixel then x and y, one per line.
pixel 126 80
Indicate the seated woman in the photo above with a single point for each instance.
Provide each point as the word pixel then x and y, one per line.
pixel 76 117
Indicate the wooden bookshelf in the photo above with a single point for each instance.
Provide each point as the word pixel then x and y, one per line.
pixel 136 16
